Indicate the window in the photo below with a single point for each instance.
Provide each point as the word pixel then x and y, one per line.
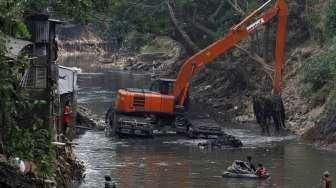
pixel 37 77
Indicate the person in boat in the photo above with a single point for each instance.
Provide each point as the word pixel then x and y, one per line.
pixel 240 167
pixel 326 180
pixel 250 164
pixel 261 171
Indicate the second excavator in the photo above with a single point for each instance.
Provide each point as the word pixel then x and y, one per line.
pixel 139 111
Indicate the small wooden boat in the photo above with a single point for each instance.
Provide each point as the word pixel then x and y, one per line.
pixel 247 176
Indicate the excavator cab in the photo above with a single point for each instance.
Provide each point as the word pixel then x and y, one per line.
pixel 163 86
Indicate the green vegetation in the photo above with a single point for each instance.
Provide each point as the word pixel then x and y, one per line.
pixel 330 23
pixel 21 134
pixel 22 137
pixel 202 21
pixel 33 144
pixel 318 73
pixel 320 70
pixel 10 20
pixel 318 76
pixel 161 45
pixel 321 16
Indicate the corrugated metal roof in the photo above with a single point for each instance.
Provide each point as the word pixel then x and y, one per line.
pixel 73 69
pixel 15 46
pixel 56 21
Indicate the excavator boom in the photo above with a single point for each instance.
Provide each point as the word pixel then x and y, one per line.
pixel 237 33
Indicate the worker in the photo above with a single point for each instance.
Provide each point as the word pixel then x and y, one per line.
pixel 108 182
pixel 326 180
pixel 250 164
pixel 261 171
pixel 66 117
pixel 242 167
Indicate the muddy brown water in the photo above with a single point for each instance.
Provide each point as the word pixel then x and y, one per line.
pixel 170 162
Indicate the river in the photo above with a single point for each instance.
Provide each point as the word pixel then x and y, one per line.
pixel 169 162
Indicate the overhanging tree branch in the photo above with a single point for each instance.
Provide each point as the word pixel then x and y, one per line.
pixel 189 43
pixel 267 68
pixel 213 16
pixel 236 7
pixel 204 29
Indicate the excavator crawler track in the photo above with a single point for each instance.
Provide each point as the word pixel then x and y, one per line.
pixel 196 127
pixel 133 127
pixel 202 126
pixel 129 126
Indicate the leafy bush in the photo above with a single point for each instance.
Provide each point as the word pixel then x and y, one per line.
pixel 33 144
pixel 331 18
pixel 319 71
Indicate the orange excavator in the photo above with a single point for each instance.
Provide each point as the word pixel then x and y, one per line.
pixel 167 97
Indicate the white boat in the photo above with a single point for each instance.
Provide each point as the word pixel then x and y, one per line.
pixel 227 174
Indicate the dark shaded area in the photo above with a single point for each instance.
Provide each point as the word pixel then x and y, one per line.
pixel 9 177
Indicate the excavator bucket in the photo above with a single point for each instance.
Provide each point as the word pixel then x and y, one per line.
pixel 269 110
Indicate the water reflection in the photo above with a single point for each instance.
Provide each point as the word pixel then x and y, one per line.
pixel 159 163
pixel 98 90
pixel 81 60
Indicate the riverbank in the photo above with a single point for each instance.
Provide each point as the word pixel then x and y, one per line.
pixel 68 171
pixel 11 177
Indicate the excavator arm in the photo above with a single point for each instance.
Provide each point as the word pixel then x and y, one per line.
pixel 239 32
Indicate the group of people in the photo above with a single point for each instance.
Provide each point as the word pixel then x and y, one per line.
pixel 247 167
pixel 261 171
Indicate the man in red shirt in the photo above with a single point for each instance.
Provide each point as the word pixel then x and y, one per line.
pixel 66 117
pixel 261 171
pixel 326 180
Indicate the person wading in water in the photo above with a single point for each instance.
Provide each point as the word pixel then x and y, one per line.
pixel 66 117
pixel 326 180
